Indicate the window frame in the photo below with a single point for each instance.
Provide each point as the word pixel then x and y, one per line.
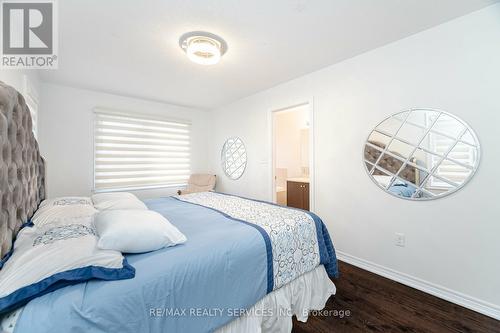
pixel 142 116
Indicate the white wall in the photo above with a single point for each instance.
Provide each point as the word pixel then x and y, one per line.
pixel 288 139
pixel 66 135
pixel 15 78
pixel 452 243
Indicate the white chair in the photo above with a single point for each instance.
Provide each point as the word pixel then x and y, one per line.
pixel 199 182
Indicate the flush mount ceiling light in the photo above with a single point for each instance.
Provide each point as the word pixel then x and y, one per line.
pixel 202 47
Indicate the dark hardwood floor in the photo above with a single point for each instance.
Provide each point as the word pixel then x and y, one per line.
pixel 377 304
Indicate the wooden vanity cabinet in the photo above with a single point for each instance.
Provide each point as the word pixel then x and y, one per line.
pixel 297 194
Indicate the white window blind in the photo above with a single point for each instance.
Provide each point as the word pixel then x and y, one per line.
pixel 135 151
pixel 457 165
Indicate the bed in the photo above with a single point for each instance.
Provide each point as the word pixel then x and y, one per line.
pixel 247 266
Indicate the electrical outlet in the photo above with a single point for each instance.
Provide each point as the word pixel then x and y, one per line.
pixel 400 239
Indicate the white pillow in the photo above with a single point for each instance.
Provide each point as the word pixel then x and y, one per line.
pixel 53 256
pixel 383 179
pixel 117 200
pixel 58 209
pixel 121 204
pixel 100 197
pixel 135 231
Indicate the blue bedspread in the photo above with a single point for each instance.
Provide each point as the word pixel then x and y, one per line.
pixel 194 287
pixel 403 189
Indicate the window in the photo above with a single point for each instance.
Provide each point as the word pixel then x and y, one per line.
pixel 135 151
pixel 460 155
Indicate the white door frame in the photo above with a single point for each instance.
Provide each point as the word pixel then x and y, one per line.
pixel 272 141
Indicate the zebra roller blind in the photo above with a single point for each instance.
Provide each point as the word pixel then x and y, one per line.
pixel 133 151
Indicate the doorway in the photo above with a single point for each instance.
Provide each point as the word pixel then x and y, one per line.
pixel 292 152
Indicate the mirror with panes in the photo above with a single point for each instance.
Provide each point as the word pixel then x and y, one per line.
pixel 421 154
pixel 234 158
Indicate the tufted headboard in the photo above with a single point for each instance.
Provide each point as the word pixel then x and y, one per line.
pixel 22 169
pixel 390 163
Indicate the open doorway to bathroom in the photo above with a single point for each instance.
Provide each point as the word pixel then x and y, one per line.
pixel 292 148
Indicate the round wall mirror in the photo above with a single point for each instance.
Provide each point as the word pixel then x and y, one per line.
pixel 421 154
pixel 234 158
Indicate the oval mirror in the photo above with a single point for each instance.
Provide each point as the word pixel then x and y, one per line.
pixel 421 154
pixel 234 158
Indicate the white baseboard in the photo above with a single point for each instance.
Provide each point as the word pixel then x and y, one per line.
pixel 486 308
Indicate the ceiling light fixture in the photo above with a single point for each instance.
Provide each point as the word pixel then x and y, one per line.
pixel 203 48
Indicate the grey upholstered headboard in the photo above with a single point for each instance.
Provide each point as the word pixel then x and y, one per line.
pixel 390 163
pixel 22 169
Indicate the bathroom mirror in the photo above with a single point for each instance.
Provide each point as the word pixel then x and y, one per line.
pixel 421 154
pixel 234 158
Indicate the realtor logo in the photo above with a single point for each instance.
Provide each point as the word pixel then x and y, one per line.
pixel 29 36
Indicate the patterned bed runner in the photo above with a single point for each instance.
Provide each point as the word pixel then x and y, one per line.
pixel 291 235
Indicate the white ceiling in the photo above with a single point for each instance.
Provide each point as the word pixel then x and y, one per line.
pixel 130 47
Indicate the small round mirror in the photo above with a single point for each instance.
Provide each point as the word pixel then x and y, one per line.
pixel 234 158
pixel 421 154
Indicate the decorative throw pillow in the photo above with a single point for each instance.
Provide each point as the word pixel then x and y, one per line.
pixel 66 201
pixel 55 255
pixel 135 231
pixel 58 209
